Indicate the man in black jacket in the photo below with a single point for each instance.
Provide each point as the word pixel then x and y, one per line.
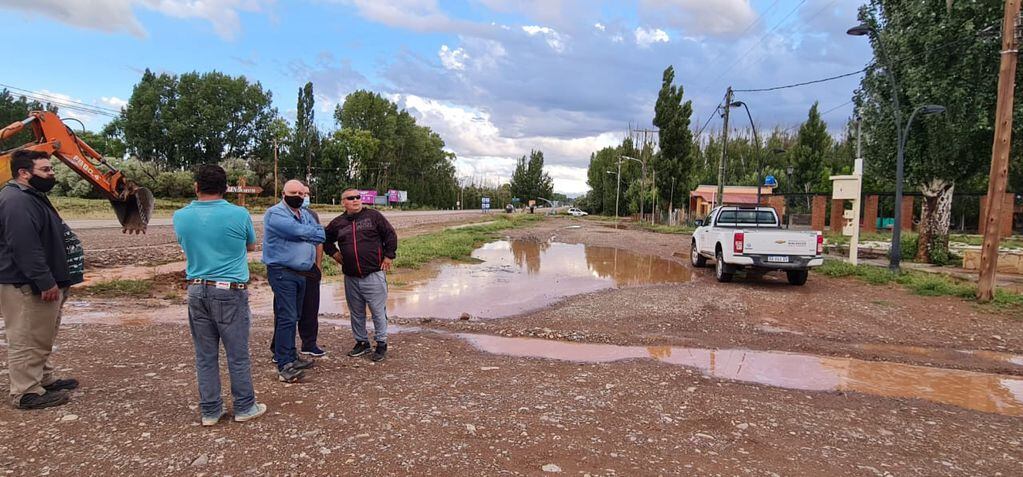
pixel 40 258
pixel 364 243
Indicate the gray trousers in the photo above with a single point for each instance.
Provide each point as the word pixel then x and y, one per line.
pixel 371 291
pixel 221 316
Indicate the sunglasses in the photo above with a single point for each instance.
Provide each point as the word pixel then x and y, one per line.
pixel 353 197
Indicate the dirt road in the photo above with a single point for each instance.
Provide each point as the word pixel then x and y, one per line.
pixel 106 247
pixel 697 378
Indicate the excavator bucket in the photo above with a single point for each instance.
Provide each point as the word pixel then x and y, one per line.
pixel 134 212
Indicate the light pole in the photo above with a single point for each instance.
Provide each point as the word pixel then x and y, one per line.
pixel 756 139
pixel 642 193
pixel 618 189
pixel 895 252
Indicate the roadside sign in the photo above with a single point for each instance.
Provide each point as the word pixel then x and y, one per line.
pixel 368 196
pixel 244 189
pixel 486 203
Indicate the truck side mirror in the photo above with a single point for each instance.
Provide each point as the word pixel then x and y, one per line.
pixel 699 222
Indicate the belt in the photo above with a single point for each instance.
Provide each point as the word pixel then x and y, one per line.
pixel 221 285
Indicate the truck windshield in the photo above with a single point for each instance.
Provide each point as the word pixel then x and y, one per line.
pixel 746 217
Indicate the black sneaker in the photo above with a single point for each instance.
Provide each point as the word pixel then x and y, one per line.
pixel 290 373
pixel 315 352
pixel 361 348
pixel 69 384
pixel 300 363
pixel 380 353
pixel 41 401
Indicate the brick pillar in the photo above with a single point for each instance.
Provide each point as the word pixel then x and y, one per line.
pixel 837 207
pixel 907 213
pixel 869 223
pixel 777 202
pixel 1008 206
pixel 820 205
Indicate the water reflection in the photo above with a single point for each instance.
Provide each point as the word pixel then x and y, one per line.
pixel 971 390
pixel 513 277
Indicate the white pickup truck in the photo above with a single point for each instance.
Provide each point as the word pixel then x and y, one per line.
pixel 751 238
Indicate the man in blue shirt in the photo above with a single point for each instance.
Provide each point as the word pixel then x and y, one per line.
pixel 290 237
pixel 216 237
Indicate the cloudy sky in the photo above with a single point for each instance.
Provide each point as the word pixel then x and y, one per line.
pixel 495 78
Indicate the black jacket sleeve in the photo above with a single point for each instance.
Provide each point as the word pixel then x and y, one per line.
pixel 330 244
pixel 21 228
pixel 388 237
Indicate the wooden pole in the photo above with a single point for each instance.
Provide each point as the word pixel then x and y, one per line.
pixel 720 199
pixel 1000 154
pixel 276 182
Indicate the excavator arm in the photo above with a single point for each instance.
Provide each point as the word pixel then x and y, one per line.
pixel 132 204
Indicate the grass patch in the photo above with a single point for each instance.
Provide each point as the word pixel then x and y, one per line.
pixel 77 208
pixel 921 283
pixel 257 269
pixel 455 244
pixel 665 229
pixel 121 288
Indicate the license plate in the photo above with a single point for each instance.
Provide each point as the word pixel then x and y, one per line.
pixel 778 259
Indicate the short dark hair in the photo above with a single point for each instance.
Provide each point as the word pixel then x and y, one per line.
pixel 211 179
pixel 25 159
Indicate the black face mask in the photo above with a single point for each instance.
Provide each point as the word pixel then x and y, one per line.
pixel 42 184
pixel 293 201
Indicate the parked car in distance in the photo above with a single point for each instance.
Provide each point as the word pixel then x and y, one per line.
pixel 509 208
pixel 574 212
pixel 751 238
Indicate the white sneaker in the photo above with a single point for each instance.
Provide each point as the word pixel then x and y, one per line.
pixel 255 411
pixel 208 421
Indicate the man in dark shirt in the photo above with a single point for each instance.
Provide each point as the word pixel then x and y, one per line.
pixel 364 243
pixel 40 258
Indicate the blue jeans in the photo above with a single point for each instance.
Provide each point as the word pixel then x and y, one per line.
pixel 289 291
pixel 370 290
pixel 215 316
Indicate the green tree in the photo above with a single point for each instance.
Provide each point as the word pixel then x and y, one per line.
pixel 672 117
pixel 530 181
pixel 940 54
pixel 17 109
pixel 306 139
pixel 196 118
pixel 809 155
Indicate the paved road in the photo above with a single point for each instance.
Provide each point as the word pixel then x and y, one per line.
pixel 85 224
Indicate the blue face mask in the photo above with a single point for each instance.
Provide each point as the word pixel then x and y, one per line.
pixel 305 202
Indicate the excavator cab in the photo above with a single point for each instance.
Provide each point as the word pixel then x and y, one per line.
pixel 133 205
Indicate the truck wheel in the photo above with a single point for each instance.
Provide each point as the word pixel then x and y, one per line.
pixel 797 277
pixel 720 271
pixel 699 261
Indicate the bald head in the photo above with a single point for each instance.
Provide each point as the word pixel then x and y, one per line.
pixel 293 187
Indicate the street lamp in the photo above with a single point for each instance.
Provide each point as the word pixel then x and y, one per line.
pixel 642 193
pixel 756 139
pixel 618 189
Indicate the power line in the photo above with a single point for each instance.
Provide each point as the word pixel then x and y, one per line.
pixel 52 98
pixel 822 80
pixel 709 119
pixel 760 41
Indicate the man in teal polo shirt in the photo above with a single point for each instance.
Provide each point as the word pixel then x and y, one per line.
pixel 216 237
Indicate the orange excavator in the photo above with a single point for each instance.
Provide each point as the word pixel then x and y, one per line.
pixel 132 204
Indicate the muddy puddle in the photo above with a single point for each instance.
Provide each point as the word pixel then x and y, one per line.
pixel 970 390
pixel 513 277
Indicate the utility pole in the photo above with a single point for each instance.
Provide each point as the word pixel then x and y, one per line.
pixel 720 199
pixel 671 203
pixel 999 154
pixel 276 182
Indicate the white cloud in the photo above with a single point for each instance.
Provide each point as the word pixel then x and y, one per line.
pixel 554 39
pixel 600 26
pixel 453 59
pixel 700 17
pixel 645 38
pixel 617 38
pixel 485 151
pixel 113 101
pixel 119 15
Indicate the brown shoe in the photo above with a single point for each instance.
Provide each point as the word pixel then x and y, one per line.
pixel 42 401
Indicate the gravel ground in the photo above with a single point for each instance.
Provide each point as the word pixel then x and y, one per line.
pixel 438 406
